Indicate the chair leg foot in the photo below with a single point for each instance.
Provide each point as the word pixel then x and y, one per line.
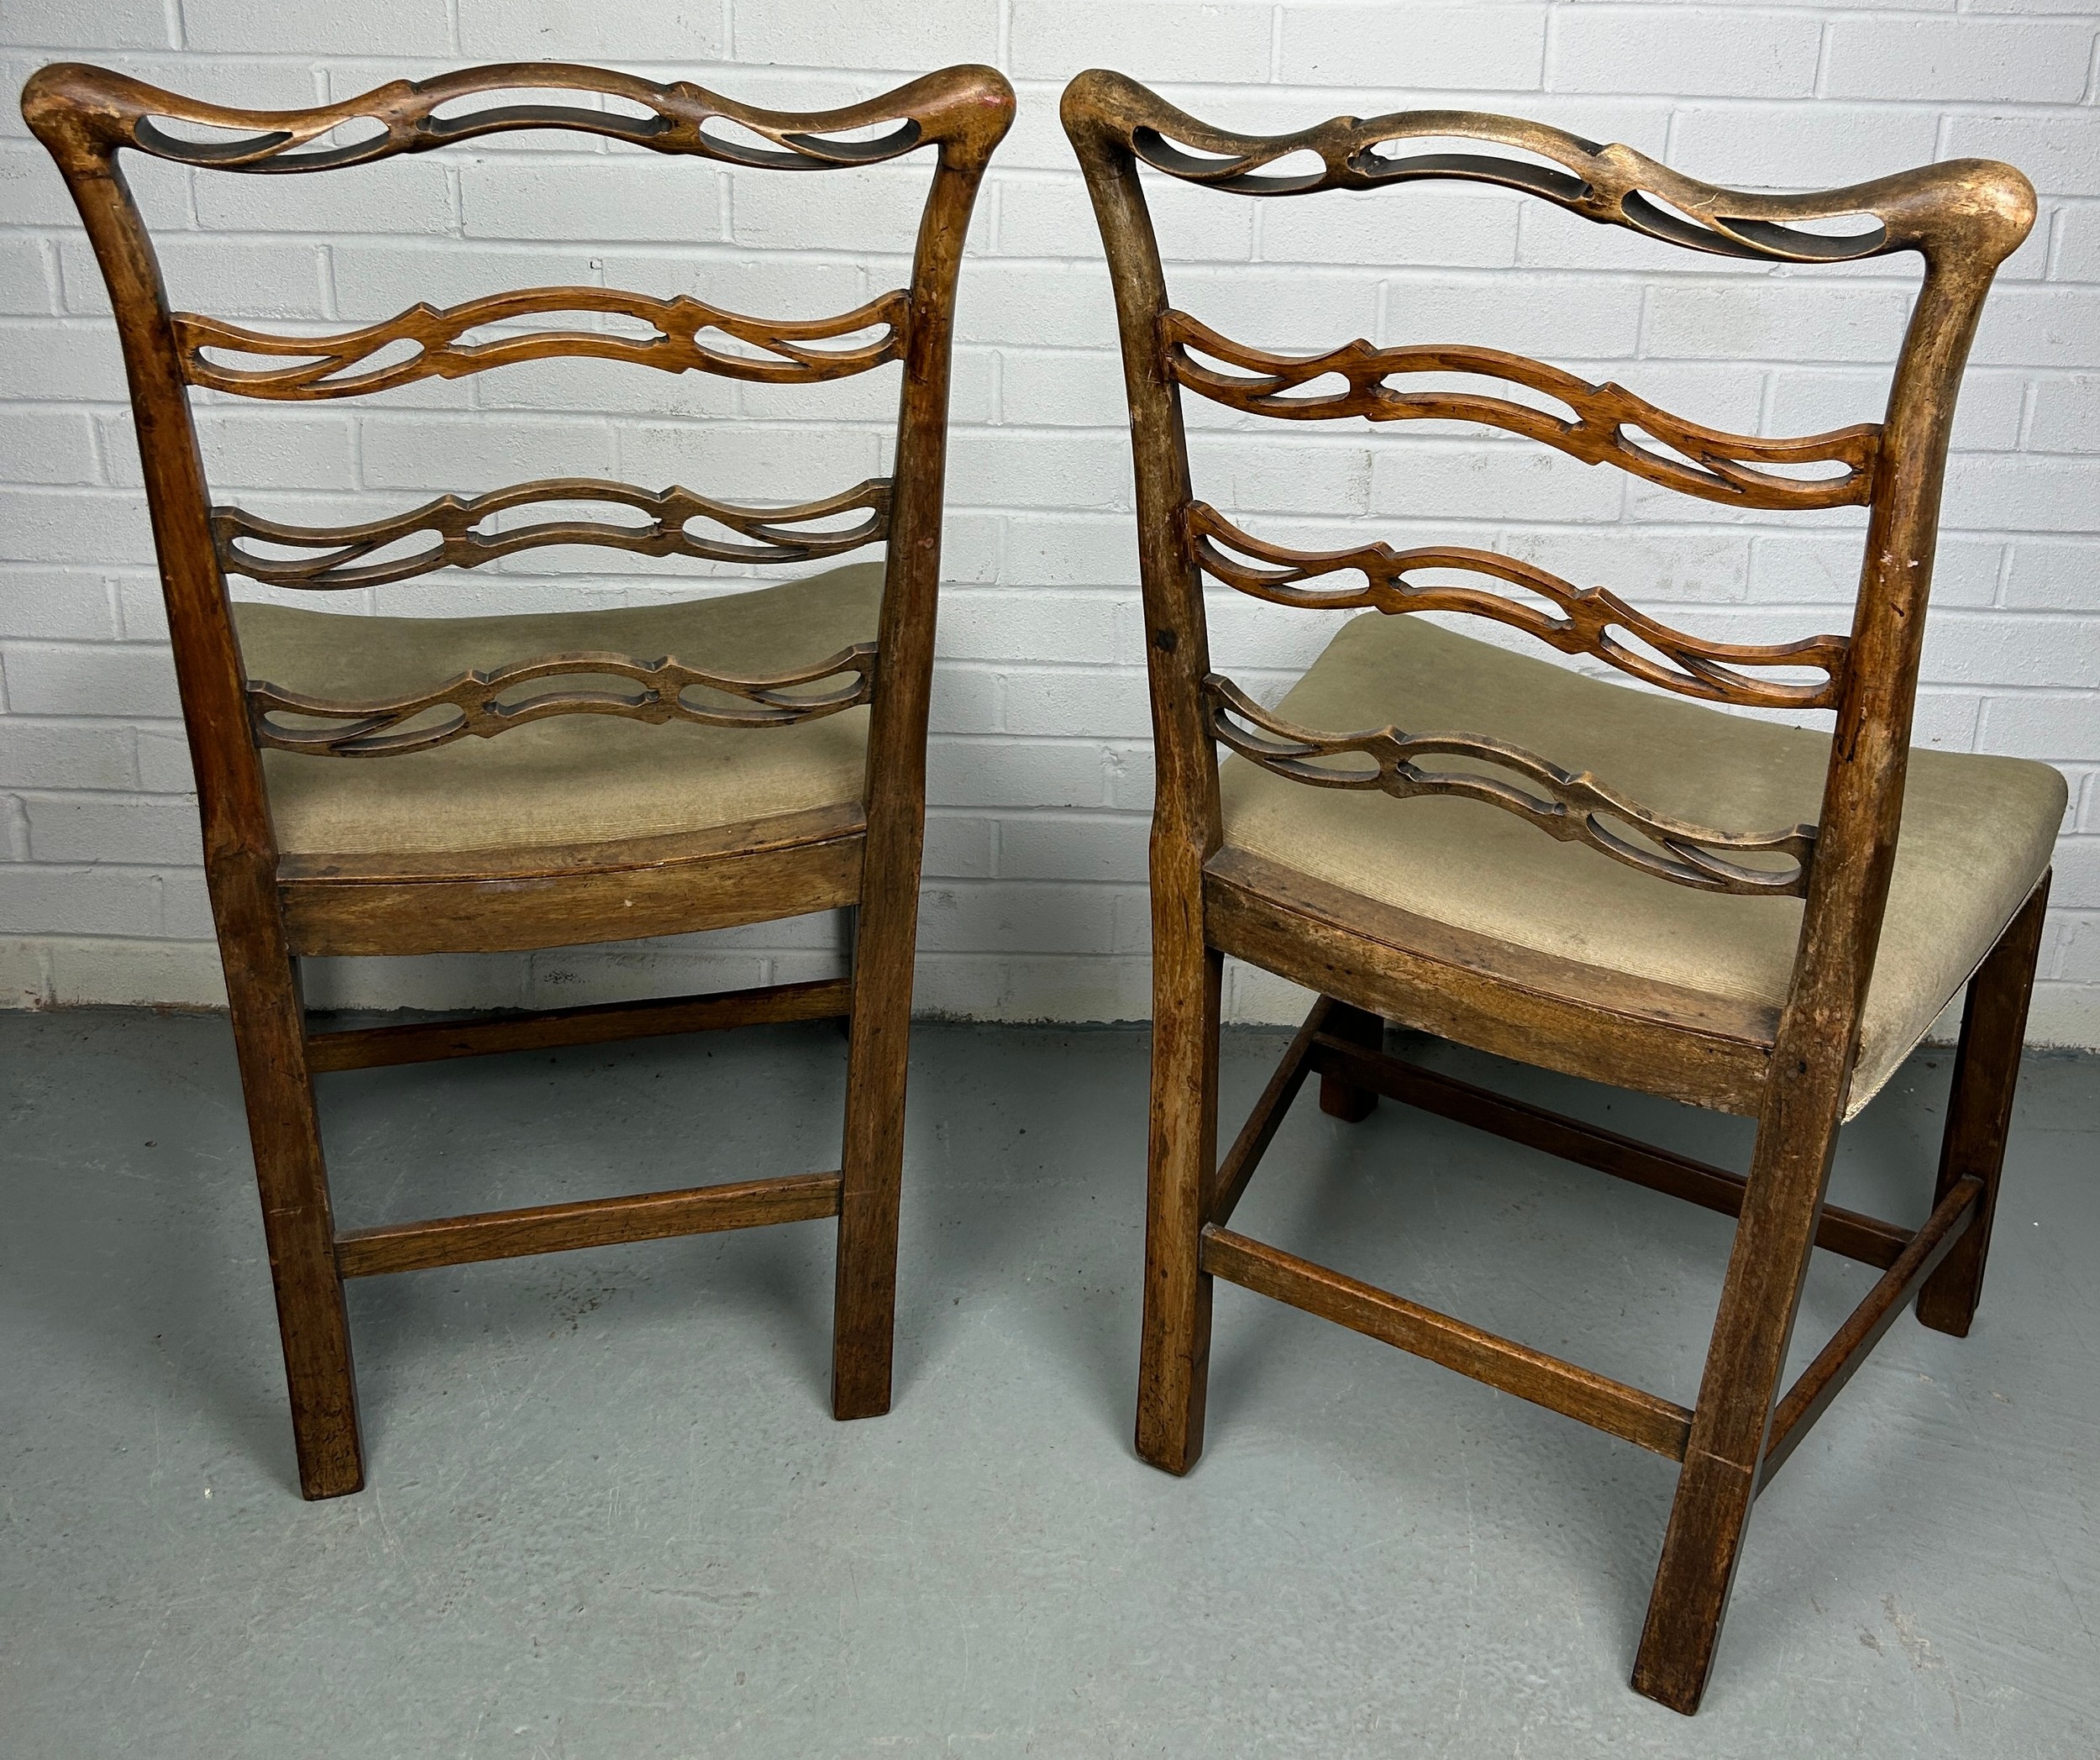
pixel 1339 1099
pixel 298 1224
pixel 863 1315
pixel 1174 1357
pixel 1699 1555
pixel 1980 1109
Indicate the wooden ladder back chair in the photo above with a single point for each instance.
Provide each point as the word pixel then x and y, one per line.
pixel 1703 916
pixel 661 769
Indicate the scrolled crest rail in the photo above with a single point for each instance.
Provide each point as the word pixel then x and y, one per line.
pixel 1684 664
pixel 1574 808
pixel 1614 184
pixel 1711 464
pixel 477 700
pixel 965 106
pixel 338 561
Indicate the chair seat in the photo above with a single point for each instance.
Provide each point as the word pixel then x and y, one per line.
pixel 1977 831
pixel 570 780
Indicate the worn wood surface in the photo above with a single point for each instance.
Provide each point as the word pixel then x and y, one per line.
pixel 267 909
pixel 499 1234
pixel 1606 423
pixel 1581 1020
pixel 1952 1220
pixel 1980 1109
pixel 338 559
pixel 1568 806
pixel 1597 1401
pixel 1851 1232
pixel 1584 620
pixel 424 1041
pixel 1790 1070
pixel 1349 1101
pixel 702 881
pixel 1262 1124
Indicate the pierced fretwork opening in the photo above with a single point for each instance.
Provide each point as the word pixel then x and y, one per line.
pixel 1606 424
pixel 1592 620
pixel 682 334
pixel 464 532
pixel 485 704
pixel 1572 808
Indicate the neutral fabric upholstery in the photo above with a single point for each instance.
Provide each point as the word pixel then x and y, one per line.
pixel 569 779
pixel 1977 831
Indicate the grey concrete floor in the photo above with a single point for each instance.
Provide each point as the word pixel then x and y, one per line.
pixel 610 1515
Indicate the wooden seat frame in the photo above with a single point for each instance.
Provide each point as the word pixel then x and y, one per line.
pixel 271 909
pixel 1790 1068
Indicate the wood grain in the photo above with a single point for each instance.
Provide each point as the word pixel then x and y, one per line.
pixel 1980 1108
pixel 1587 616
pixel 1594 1399
pixel 269 908
pixel 424 1041
pixel 1580 1019
pixel 770 534
pixel 773 351
pixel 1952 1220
pixel 1857 1236
pixel 1708 462
pixel 1570 807
pixel 501 1234
pixel 1790 1068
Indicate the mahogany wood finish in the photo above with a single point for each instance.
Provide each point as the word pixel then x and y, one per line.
pixel 1790 1068
pixel 499 1234
pixel 603 1023
pixel 1575 809
pixel 480 705
pixel 269 908
pixel 451 520
pixel 1589 614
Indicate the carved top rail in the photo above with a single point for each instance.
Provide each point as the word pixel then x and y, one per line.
pixel 338 555
pixel 1711 463
pixel 963 108
pixel 1575 808
pixel 482 704
pixel 775 351
pixel 1957 203
pixel 1688 664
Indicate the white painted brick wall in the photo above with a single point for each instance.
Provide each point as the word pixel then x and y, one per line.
pixel 1040 777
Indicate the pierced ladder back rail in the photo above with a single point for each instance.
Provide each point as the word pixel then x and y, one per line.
pixel 450 521
pixel 1789 1062
pixel 1716 465
pixel 775 351
pixel 269 905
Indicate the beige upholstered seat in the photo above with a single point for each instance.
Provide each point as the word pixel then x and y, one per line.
pixel 571 779
pixel 1977 831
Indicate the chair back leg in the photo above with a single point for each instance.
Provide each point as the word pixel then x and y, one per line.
pixel 1752 1328
pixel 1980 1108
pixel 1338 1097
pixel 268 1018
pixel 1174 1357
pixel 863 1315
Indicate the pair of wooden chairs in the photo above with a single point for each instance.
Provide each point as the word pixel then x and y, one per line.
pixel 1780 972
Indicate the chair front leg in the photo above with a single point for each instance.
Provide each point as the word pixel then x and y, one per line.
pixel 1980 1108
pixel 1752 1328
pixel 1339 1099
pixel 863 1315
pixel 269 1017
pixel 1175 1358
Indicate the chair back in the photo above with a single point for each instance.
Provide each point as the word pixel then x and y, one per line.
pixel 88 117
pixel 1962 217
